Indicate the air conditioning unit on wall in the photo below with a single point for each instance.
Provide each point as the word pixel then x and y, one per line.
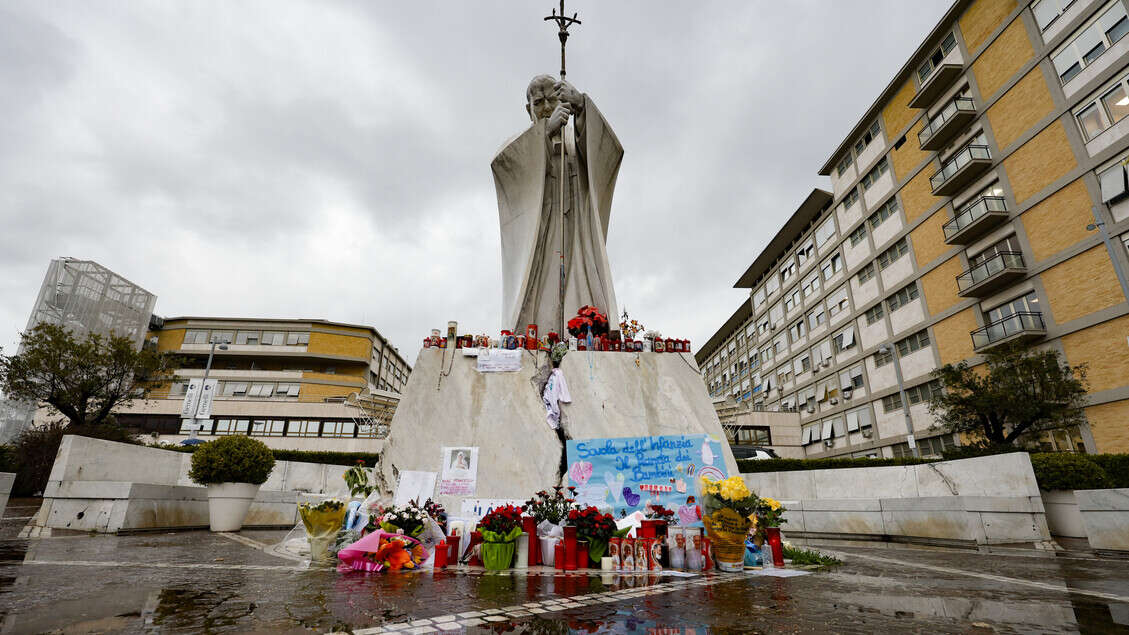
pixel 829 443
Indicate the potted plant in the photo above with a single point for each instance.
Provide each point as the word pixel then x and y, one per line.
pixel 233 468
pixel 549 511
pixel 499 529
pixel 595 528
pixel 727 507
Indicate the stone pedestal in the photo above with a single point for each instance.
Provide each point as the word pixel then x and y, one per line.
pixel 449 403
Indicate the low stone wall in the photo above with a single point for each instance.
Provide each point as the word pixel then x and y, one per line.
pixel 1105 514
pixel 985 500
pixel 105 486
pixel 7 479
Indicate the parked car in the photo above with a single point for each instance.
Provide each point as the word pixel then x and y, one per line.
pixel 753 452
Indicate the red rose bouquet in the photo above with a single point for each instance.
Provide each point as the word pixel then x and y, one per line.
pixel 551 507
pixel 596 528
pixel 499 529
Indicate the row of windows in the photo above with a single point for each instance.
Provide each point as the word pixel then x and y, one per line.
pixel 904 346
pixel 915 394
pixel 1107 28
pixel 264 338
pixel 837 426
pixel 930 447
pixel 867 138
pixel 245 389
pixel 283 428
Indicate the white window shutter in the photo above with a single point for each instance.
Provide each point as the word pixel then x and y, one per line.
pixel 852 421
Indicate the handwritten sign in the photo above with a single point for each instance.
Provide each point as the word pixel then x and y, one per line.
pixel 414 486
pixel 626 474
pixel 498 360
pixel 479 507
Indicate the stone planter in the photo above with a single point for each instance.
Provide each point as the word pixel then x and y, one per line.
pixel 1063 517
pixel 228 504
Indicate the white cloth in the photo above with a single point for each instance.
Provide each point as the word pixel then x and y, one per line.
pixel 556 393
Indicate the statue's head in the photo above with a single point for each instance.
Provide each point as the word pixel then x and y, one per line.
pixel 540 97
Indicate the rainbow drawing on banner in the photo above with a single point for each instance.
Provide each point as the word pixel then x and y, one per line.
pixel 711 473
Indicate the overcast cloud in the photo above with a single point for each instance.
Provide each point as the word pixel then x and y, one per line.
pixel 331 159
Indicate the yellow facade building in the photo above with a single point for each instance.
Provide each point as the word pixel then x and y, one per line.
pixel 299 384
pixel 961 215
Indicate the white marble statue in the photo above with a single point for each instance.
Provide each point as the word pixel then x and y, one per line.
pixel 527 175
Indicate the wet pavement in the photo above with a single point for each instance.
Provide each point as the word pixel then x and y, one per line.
pixel 203 582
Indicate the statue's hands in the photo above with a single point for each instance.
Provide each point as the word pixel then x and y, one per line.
pixel 559 117
pixel 568 94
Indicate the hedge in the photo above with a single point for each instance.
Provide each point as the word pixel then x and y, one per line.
pixel 1053 470
pixel 305 456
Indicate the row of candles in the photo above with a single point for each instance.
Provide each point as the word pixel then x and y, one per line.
pixel 657 546
pixel 530 341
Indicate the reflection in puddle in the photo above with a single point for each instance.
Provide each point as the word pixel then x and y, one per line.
pixel 622 622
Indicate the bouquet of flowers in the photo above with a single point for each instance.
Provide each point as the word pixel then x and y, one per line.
pixel 551 507
pixel 588 320
pixel 437 513
pixel 596 528
pixel 499 529
pixel 770 513
pixel 408 520
pixel 658 512
pixel 728 506
pixel 322 521
pixel 629 327
pixel 381 551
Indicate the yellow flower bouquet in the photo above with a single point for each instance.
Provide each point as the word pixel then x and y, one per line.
pixel 728 507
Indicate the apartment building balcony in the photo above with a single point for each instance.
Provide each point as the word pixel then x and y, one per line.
pixel 940 81
pixel 995 273
pixel 976 219
pixel 957 114
pixel 1023 326
pixel 961 169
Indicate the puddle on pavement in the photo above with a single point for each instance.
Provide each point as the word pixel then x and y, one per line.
pixel 13 550
pixel 625 622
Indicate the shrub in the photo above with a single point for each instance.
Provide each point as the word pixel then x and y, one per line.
pixel 800 556
pixel 974 451
pixel 1060 470
pixel 749 466
pixel 234 459
pixel 1116 467
pixel 304 456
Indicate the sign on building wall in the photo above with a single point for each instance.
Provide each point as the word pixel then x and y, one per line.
pixel 191 399
pixel 626 474
pixel 207 396
pixel 499 360
pixel 459 473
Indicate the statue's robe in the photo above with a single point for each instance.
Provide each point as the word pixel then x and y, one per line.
pixel 527 178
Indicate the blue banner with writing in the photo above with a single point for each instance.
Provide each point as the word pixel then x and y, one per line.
pixel 626 474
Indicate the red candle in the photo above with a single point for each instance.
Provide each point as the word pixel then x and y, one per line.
pixel 559 555
pixel 441 555
pixel 570 548
pixel 529 526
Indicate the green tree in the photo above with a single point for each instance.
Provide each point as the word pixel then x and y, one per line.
pixel 1018 391
pixel 84 378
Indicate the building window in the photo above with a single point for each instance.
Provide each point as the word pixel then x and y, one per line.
pixel 267 428
pixel 752 435
pixel 772 285
pixel 902 297
pixel 913 343
pixel 1091 41
pixel 883 358
pixel 303 428
pixel 776 314
pixel 801 364
pixel 844 165
pixel 851 198
pixel 805 252
pixel 825 232
pixel 338 429
pixel 888 209
pixel 195 337
pixel 287 390
pixel 273 338
pixel 837 301
pixel 874 313
pixel 897 250
pixel 858 235
pixel 832 266
pixel 931 447
pixel 866 273
pixel 867 137
pixel 1024 304
pixel 816 317
pixel 1110 107
pixel 810 286
pixel 798 331
pixel 260 390
pixel 926 69
pixel 231 426
pixel 297 339
pixel 766 354
pixel 792 300
pixel 876 173
pixel 246 337
pixel 1047 11
pixel 851 378
pixel 186 429
pixel 234 389
pixel 762 326
pixel 788 270
pixel 845 340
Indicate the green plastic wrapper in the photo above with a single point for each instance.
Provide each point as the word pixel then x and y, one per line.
pixel 498 549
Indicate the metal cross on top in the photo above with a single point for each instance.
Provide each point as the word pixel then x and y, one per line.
pixel 563 22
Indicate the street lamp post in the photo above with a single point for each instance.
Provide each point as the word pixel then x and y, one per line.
pixel 1112 249
pixel 905 401
pixel 204 384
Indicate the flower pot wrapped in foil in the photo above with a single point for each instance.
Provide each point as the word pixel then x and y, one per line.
pixel 322 522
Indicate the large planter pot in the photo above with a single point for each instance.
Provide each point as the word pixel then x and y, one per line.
pixel 1063 517
pixel 228 504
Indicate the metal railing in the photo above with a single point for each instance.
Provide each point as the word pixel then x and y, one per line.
pixel 962 158
pixel 1024 321
pixel 960 104
pixel 971 212
pixel 990 267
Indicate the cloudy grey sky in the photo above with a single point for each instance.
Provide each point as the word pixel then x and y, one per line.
pixel 331 159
